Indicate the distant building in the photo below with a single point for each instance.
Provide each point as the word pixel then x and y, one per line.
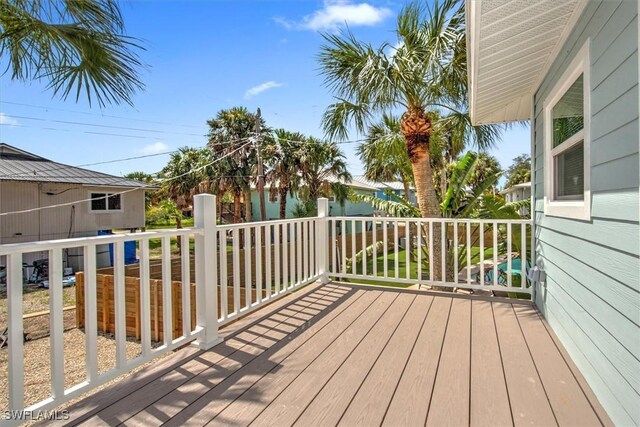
pixel 516 193
pixel 29 182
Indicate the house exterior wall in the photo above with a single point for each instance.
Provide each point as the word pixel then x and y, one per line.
pixel 273 208
pixel 590 294
pixel 65 221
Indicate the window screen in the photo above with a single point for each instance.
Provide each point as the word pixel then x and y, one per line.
pixel 569 178
pixel 114 202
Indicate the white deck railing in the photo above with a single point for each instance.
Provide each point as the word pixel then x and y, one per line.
pixel 474 254
pixel 263 260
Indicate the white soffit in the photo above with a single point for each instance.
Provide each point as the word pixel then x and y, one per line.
pixel 511 45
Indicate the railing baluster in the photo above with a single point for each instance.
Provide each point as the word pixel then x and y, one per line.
pixel 374 244
pixel 247 267
pixel 396 247
pixel 236 271
pixel 495 254
pixel 468 249
pixel 385 251
pixel 314 264
pixel 523 255
pixel 333 250
pixel 145 296
pixel 259 264
pixel 292 255
pixel 277 248
pixel 285 258
pixel 186 285
pixel 224 275
pixel 343 239
pixel 119 302
pixel 16 330
pixel 431 251
pixel 509 257
pixel 91 313
pixel 298 241
pixel 419 246
pixel 481 273
pixel 307 256
pixel 268 271
pixel 363 229
pixel 409 246
pixel 354 269
pixel 167 303
pixel 443 251
pixel 455 251
pixel 56 323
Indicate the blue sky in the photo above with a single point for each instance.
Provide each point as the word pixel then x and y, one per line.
pixel 204 56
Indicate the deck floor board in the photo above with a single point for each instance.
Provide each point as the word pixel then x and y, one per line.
pixel 358 356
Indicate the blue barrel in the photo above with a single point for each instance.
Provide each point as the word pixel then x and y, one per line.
pixel 130 252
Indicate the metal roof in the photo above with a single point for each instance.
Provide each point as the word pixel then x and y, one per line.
pixel 391 185
pixel 20 165
pixel 510 46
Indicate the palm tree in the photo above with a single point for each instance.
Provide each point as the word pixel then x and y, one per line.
pixel 384 154
pixel 283 164
pixel 425 74
pixel 79 47
pixel 181 177
pixel 321 164
pixel 228 131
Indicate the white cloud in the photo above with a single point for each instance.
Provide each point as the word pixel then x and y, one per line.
pixel 256 90
pixel 155 148
pixel 338 12
pixel 7 120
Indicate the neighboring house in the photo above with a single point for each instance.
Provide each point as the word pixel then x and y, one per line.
pixel 394 187
pixel 516 193
pixel 335 209
pixel 29 182
pixel 571 69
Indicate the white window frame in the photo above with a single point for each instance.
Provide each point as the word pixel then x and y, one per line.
pixel 575 209
pixel 107 194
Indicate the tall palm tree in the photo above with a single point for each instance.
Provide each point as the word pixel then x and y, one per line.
pixel 384 154
pixel 321 164
pixel 229 130
pixel 424 73
pixel 79 47
pixel 281 154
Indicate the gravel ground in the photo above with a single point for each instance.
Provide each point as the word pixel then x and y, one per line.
pixel 37 365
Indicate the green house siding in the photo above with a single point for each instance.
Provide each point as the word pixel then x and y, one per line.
pixel 591 289
pixel 273 208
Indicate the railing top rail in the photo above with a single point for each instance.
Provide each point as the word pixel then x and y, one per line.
pixel 462 220
pixel 263 223
pixel 43 245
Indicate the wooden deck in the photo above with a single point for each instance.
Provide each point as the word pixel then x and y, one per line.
pixel 352 355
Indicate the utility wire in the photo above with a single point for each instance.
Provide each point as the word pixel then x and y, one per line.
pixel 98 114
pixel 68 122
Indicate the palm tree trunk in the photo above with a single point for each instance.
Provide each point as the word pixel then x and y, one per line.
pixel 407 189
pixel 247 206
pixel 283 202
pixel 416 128
pixel 237 208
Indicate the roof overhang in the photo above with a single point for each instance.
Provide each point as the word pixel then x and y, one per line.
pixel 511 44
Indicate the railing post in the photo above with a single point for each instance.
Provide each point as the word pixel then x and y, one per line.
pixel 206 266
pixel 322 240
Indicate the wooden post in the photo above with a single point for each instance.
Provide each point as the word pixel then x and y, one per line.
pixel 321 239
pixel 206 270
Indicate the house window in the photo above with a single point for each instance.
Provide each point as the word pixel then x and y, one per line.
pixel 104 202
pixel 567 134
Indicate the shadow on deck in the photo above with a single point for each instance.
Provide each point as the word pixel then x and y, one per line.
pixel 351 355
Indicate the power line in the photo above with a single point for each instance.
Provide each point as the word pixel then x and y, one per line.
pixel 98 114
pixel 143 186
pixel 68 122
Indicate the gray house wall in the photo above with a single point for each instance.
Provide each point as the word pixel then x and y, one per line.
pixel 591 292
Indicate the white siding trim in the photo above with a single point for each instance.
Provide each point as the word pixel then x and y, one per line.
pixel 569 209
